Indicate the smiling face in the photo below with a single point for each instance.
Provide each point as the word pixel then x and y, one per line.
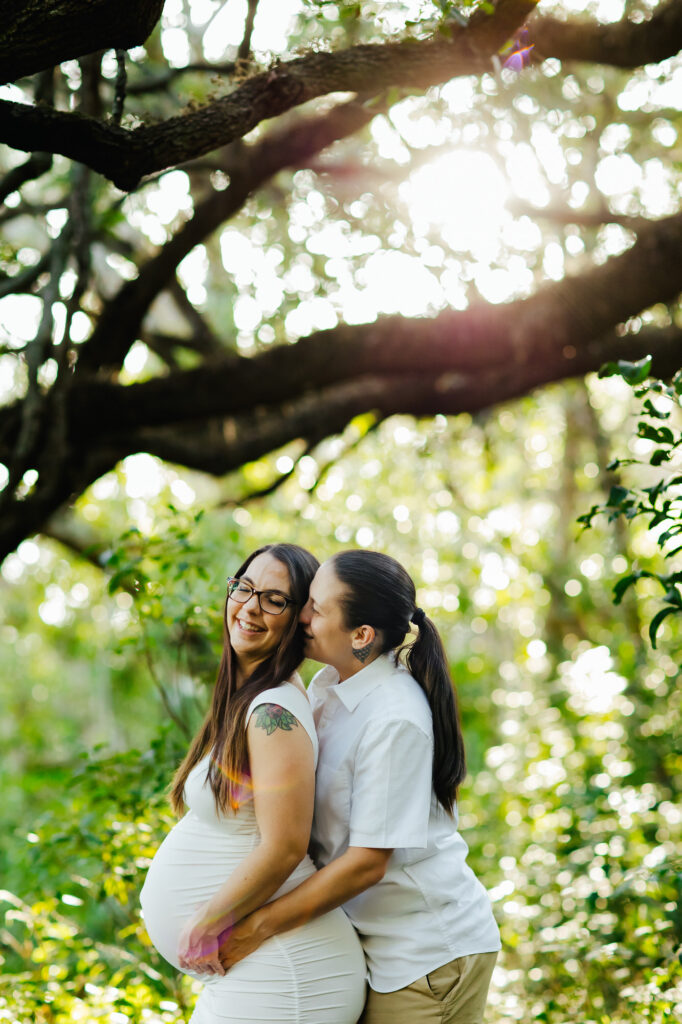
pixel 329 639
pixel 255 634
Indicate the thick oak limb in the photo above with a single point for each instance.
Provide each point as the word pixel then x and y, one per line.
pixel 38 34
pixel 23 518
pixel 624 44
pixel 287 146
pixel 220 447
pixel 528 335
pixel 558 318
pixel 224 446
pixel 127 156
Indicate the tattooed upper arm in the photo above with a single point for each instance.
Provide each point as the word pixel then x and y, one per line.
pixel 271 716
pixel 282 767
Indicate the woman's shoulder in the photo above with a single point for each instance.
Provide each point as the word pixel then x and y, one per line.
pixel 401 698
pixel 290 694
pixel 293 698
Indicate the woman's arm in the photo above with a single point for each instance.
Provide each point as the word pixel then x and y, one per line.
pixel 283 782
pixel 347 876
pixel 387 811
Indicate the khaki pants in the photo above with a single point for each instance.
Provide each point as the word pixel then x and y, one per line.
pixel 453 994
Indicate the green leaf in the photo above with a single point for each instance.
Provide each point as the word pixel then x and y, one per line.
pixel 673 531
pixel 618 496
pixel 657 622
pixel 633 373
pixel 660 456
pixel 655 413
pixel 661 435
pixel 624 584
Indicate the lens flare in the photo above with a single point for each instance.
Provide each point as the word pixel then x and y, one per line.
pixel 518 52
pixel 242 788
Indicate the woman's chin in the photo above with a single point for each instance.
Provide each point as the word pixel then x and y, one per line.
pixel 252 647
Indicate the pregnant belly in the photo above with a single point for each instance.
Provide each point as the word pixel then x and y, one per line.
pixel 190 866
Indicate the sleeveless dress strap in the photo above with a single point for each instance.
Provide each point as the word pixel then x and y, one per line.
pixel 288 696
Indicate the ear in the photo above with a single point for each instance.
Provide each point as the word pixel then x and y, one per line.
pixel 362 637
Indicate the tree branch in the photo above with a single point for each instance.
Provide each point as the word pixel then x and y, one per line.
pixel 203 337
pixel 219 448
pixel 557 319
pixel 245 45
pixel 625 44
pixel 37 164
pixel 284 147
pixel 39 34
pixel 127 156
pixel 322 413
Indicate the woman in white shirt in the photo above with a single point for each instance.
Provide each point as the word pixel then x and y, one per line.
pixel 385 827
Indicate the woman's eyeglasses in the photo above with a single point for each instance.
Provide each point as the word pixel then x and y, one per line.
pixel 270 601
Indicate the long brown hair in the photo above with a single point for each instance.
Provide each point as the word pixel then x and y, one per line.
pixel 223 732
pixel 380 593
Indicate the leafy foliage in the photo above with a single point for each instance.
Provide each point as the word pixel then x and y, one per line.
pixel 571 722
pixel 75 947
pixel 659 503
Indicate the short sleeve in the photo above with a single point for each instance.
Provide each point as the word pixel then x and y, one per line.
pixel 290 697
pixel 391 792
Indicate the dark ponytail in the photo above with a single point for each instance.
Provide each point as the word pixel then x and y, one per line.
pixel 380 593
pixel 426 661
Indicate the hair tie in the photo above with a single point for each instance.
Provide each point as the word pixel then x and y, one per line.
pixel 418 616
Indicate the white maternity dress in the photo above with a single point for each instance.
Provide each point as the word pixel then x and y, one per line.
pixel 314 974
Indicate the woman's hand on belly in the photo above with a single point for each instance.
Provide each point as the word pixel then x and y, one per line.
pixel 198 946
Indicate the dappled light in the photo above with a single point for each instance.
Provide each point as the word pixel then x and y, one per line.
pixel 390 274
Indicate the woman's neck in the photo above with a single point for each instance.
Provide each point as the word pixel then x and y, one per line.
pixel 352 666
pixel 244 668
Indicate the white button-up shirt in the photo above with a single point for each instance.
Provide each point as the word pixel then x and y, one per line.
pixel 374 789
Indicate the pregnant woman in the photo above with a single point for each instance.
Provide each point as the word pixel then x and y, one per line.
pixel 247 785
pixel 385 831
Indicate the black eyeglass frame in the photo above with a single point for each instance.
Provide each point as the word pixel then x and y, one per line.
pixel 235 581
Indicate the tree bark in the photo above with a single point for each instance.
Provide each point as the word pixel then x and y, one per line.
pixel 126 156
pixel 557 323
pixel 218 446
pixel 38 34
pixel 625 44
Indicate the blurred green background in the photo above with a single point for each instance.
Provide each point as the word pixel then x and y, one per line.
pixel 572 721
pixel 110 620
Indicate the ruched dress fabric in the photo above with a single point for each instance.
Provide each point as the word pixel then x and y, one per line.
pixel 314 974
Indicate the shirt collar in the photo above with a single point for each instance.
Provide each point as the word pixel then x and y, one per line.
pixel 352 690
